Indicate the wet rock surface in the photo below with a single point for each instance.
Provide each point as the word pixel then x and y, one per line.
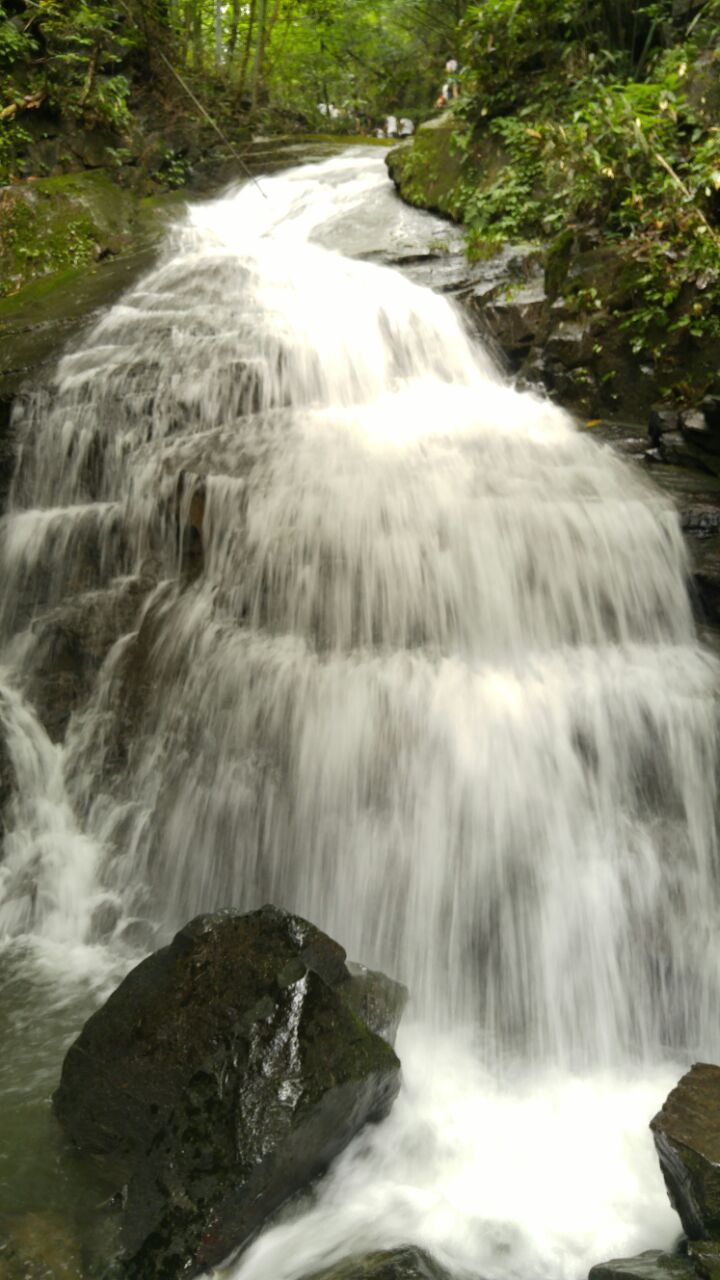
pixel 687 1138
pixel 407 1263
pixel 376 999
pixel 224 1074
pixel 8 781
pixel 705 1257
pixel 553 350
pixel 70 645
pixel 651 1265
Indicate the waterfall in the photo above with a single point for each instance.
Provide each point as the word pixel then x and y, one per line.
pixel 354 627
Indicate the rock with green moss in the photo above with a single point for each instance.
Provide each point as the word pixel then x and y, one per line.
pixel 687 1138
pixel 705 1256
pixel 51 224
pixel 407 1263
pixel 223 1075
pixel 427 171
pixel 652 1265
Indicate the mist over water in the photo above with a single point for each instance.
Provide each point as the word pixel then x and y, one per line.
pixel 401 650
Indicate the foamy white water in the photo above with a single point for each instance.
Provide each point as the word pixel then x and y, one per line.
pixel 381 640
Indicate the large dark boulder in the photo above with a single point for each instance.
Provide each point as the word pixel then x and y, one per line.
pixel 407 1263
pixel 225 1073
pixel 687 1138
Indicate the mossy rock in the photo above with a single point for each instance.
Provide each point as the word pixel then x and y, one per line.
pixel 557 263
pixel 705 1256
pixel 53 225
pixel 223 1075
pixel 651 1265
pixel 427 170
pixel 440 167
pixel 407 1263
pixel 38 319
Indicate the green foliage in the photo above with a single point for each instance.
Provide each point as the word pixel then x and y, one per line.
pixel 623 143
pixel 62 58
pixel 88 63
pixel 84 43
pixel 510 44
pixel 509 209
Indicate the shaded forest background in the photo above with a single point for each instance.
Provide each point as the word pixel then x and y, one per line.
pixel 576 120
pixel 114 64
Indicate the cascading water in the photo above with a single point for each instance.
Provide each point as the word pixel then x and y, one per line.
pixel 377 638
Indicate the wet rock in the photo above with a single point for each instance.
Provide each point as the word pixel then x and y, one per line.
pixel 693 426
pixel 376 999
pixel 36 323
pixel 138 935
pixel 652 1265
pixel 517 319
pixel 191 496
pixel 678 450
pixel 407 1263
pixel 94 149
pixel 700 521
pixel 427 171
pixel 38 1246
pixel 7 449
pixel 8 782
pixel 662 420
pixel 701 425
pixel 705 1257
pixel 710 407
pixel 71 644
pixel 687 1138
pixel 706 578
pixel 571 342
pixel 104 920
pixel 224 1074
pixel 557 263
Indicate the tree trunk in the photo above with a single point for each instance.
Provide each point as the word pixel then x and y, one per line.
pixel 197 34
pixel 259 50
pixel 232 41
pixel 242 77
pixel 218 33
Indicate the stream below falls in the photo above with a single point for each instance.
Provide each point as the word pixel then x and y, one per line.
pixel 305 604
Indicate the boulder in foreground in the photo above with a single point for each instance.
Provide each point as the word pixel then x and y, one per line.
pixel 687 1138
pixel 224 1074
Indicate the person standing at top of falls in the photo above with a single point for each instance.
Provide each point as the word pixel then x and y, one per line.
pixel 391 127
pixel 453 86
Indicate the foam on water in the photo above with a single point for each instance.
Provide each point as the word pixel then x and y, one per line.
pixel 377 638
pixel 491 1176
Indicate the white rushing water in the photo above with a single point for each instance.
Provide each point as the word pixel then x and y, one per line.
pixel 364 632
